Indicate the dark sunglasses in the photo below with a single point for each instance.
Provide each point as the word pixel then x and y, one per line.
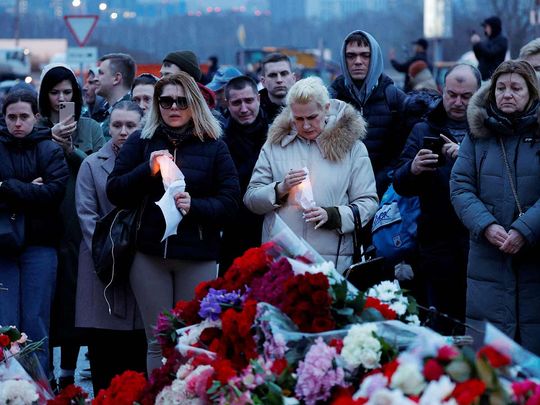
pixel 167 102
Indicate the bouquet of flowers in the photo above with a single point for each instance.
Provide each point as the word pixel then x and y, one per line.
pixel 22 379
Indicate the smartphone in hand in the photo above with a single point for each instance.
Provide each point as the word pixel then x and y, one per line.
pixel 66 110
pixel 435 144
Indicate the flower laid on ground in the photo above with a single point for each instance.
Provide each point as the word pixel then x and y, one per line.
pixel 361 347
pixel 283 330
pixel 318 374
pixel 20 392
pixel 71 395
pixel 125 389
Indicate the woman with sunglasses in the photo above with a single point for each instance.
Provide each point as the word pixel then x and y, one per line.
pixel 180 127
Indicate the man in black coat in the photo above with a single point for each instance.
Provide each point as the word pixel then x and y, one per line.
pixel 491 51
pixel 425 172
pixel 365 86
pixel 245 134
pixel 420 53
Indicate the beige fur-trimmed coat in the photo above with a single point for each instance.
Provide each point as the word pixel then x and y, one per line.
pixel 340 172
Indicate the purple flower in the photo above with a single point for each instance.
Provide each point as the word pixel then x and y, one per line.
pixel 211 305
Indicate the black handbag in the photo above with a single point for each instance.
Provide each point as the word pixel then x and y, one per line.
pixel 365 273
pixel 11 232
pixel 114 244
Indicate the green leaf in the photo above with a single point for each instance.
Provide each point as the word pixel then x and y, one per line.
pixel 486 373
pixel 215 386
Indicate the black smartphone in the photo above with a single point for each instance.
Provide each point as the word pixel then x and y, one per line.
pixel 435 144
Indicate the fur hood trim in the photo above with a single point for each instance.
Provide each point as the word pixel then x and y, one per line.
pixel 477 113
pixel 344 127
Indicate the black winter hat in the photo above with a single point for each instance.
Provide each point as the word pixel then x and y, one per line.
pixel 187 62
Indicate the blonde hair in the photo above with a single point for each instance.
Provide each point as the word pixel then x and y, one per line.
pixel 306 90
pixel 205 124
pixel 529 49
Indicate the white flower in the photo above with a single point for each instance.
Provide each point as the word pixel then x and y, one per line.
pixel 409 379
pixel 361 348
pixel 437 391
pixel 385 291
pixel 413 320
pixel 387 397
pixel 23 338
pixel 17 392
pixel 370 385
pixel 399 307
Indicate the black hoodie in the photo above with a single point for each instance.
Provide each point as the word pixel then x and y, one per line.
pixel 23 160
pixel 492 51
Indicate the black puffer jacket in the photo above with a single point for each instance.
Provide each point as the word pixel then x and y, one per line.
pixel 491 51
pixel 385 137
pixel 24 160
pixel 211 181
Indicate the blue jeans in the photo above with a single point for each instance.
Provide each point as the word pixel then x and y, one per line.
pixel 30 279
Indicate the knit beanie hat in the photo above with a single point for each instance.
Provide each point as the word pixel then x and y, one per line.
pixel 187 62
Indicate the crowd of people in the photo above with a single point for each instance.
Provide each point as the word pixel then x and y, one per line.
pixel 247 150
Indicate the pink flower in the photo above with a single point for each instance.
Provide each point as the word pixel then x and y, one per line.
pixel 317 375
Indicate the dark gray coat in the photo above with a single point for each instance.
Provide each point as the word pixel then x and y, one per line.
pixel 502 289
pixel 92 310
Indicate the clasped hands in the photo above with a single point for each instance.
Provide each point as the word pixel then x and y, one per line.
pixel 508 242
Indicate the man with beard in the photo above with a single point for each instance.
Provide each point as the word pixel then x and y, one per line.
pixel 245 135
pixel 277 78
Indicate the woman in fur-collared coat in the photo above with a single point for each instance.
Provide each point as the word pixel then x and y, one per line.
pixel 495 189
pixel 324 136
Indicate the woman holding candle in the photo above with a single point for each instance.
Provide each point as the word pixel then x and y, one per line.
pixel 323 136
pixel 180 127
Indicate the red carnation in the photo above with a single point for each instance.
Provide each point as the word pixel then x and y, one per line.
pixel 343 396
pixel 223 370
pixel 384 309
pixel 279 366
pixel 467 392
pixel 4 340
pixel 433 370
pixel 390 368
pixel 188 311
pixel 209 334
pixel 493 356
pixel 337 344
pixel 125 389
pixel 447 353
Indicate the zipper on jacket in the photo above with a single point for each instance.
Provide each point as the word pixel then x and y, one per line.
pixel 167 240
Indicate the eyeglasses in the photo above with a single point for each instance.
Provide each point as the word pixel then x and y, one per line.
pixel 167 102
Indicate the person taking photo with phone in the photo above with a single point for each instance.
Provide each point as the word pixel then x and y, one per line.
pixel 60 105
pixel 424 171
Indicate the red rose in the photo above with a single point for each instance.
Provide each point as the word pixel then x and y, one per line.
pixel 4 340
pixel 447 353
pixel 493 356
pixel 467 392
pixel 318 280
pixel 322 324
pixel 321 298
pixel 433 370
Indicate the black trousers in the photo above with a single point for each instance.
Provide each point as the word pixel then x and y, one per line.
pixel 112 352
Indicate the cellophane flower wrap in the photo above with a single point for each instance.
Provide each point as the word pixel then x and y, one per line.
pixel 282 326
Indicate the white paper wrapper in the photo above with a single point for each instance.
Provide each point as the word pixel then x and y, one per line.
pixel 304 192
pixel 174 183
